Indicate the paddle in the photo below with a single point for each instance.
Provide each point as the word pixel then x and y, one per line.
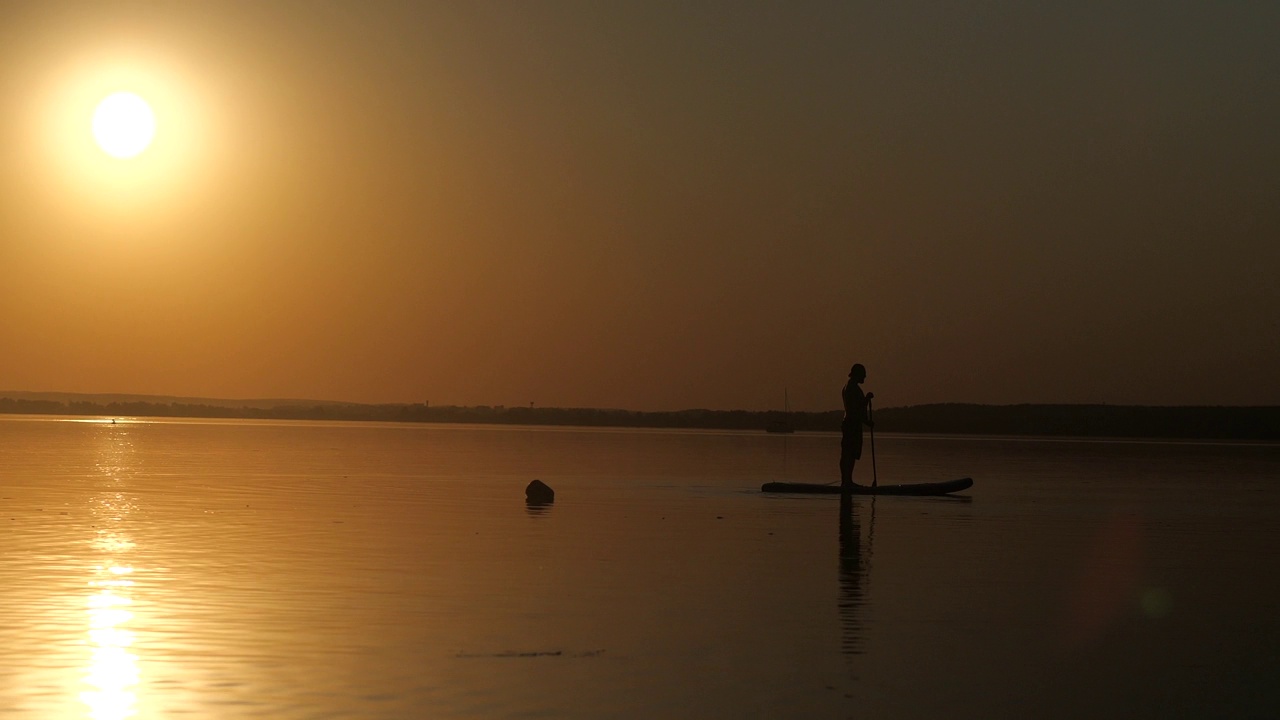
pixel 871 422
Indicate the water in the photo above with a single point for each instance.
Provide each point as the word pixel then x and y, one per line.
pixel 309 570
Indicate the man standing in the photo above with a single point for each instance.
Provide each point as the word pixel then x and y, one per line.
pixel 855 416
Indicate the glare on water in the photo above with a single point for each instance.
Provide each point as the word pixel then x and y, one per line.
pixel 112 671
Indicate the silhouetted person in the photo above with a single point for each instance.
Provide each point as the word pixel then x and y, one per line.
pixel 855 416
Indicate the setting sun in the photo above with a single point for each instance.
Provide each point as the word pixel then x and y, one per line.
pixel 123 125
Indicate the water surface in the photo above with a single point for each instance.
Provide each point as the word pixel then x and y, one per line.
pixel 229 569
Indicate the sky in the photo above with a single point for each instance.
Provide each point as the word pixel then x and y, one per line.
pixel 646 205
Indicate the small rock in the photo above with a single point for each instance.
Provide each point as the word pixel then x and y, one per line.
pixel 539 492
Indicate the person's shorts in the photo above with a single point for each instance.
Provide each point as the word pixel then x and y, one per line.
pixel 851 443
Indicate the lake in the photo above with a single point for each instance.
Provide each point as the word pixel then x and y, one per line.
pixel 234 569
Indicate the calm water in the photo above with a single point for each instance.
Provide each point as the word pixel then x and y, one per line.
pixel 294 570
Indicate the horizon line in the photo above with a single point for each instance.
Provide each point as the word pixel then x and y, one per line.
pixel 308 402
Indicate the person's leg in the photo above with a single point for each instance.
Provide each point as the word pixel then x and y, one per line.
pixel 846 463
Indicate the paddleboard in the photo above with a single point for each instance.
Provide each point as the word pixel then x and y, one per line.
pixel 936 488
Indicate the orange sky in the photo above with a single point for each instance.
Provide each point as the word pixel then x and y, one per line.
pixel 584 204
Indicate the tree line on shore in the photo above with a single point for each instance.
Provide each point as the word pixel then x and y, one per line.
pixel 1179 422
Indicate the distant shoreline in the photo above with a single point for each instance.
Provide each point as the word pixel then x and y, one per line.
pixel 1087 421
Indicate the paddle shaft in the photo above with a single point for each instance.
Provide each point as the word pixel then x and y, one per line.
pixel 871 421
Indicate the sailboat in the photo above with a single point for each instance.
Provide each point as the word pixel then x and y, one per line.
pixel 782 425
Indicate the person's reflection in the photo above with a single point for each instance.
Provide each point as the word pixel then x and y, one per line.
pixel 853 566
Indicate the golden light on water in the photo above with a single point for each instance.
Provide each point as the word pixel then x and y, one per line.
pixel 123 125
pixel 111 673
pixel 113 668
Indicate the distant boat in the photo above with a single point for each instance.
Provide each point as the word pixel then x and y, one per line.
pixel 782 425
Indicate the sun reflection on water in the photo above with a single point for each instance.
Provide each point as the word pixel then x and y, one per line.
pixel 113 668
pixel 112 672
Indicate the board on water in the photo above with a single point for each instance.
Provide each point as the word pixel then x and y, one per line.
pixel 936 488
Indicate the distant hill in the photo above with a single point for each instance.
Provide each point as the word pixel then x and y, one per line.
pixel 108 398
pixel 1136 421
pixel 1117 421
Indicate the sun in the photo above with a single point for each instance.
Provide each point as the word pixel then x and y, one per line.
pixel 123 125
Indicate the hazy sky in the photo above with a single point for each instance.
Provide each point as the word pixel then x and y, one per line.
pixel 650 205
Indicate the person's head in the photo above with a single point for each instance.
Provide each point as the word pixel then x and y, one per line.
pixel 858 372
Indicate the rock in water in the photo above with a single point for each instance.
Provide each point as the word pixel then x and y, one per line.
pixel 539 492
